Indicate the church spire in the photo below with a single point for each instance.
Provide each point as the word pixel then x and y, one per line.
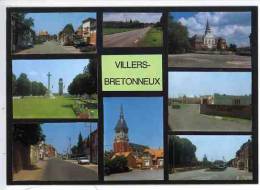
pixel 208 29
pixel 121 112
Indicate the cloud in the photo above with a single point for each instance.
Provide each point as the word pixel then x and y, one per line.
pixel 33 73
pixel 235 27
pixel 142 17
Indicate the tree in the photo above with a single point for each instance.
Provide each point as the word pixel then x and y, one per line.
pixel 68 29
pixel 181 152
pixel 23 85
pixel 13 84
pixel 233 47
pixel 28 134
pixel 86 82
pixel 178 37
pixel 38 89
pixel 80 144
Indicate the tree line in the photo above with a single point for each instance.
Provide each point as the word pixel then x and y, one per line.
pixel 86 82
pixel 22 86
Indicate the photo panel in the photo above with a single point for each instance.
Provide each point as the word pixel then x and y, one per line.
pixel 53 33
pixel 55 152
pixel 210 157
pixel 221 40
pixel 210 101
pixel 132 29
pixel 133 138
pixel 54 89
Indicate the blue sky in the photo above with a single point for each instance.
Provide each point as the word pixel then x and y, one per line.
pixel 143 115
pixel 235 27
pixel 37 70
pixel 58 134
pixel 208 83
pixel 55 22
pixel 217 146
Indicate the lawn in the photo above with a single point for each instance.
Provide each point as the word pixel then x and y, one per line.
pixel 107 31
pixel 153 38
pixel 41 107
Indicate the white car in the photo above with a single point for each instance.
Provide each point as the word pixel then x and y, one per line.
pixel 83 160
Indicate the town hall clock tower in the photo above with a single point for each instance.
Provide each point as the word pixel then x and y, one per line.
pixel 121 134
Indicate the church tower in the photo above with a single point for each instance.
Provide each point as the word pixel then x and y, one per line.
pixel 121 134
pixel 209 40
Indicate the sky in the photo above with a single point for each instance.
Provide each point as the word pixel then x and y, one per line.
pixel 37 70
pixel 142 17
pixel 235 27
pixel 217 146
pixel 207 83
pixel 143 115
pixel 58 134
pixel 55 22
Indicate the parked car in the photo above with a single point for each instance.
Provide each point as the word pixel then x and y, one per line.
pixel 218 165
pixel 83 160
pixel 77 43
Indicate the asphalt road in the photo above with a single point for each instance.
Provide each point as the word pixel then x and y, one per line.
pixel 49 47
pixel 60 170
pixel 203 174
pixel 156 174
pixel 125 39
pixel 209 61
pixel 188 118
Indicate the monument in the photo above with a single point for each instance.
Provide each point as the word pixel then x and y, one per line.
pixel 49 93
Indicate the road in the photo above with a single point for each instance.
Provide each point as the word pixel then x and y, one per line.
pixel 156 174
pixel 49 47
pixel 203 174
pixel 209 61
pixel 188 118
pixel 125 39
pixel 60 170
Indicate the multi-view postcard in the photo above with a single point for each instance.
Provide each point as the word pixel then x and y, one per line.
pixel 53 33
pixel 210 101
pixel 210 157
pixel 55 152
pixel 133 138
pixel 210 39
pixel 126 29
pixel 54 88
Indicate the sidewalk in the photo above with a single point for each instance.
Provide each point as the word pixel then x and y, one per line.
pixel 33 174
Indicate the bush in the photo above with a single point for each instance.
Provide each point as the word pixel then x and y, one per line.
pixel 116 165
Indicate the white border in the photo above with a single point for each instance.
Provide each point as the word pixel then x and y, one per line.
pixel 95 3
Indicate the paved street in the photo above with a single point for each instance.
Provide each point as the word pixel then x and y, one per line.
pixel 49 47
pixel 203 174
pixel 188 118
pixel 60 170
pixel 156 174
pixel 125 39
pixel 209 61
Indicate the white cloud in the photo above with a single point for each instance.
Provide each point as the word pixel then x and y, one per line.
pixel 33 73
pixel 142 17
pixel 234 26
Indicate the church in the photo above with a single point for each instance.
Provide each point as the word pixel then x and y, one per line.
pixel 138 156
pixel 208 41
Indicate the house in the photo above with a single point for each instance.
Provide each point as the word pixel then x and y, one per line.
pixel 43 36
pixel 89 30
pixel 131 160
pixel 91 146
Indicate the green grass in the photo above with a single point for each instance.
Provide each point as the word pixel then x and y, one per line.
pixel 41 107
pixel 107 31
pixel 153 38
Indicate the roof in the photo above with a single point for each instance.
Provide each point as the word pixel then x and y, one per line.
pixel 43 33
pixel 155 152
pixel 125 154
